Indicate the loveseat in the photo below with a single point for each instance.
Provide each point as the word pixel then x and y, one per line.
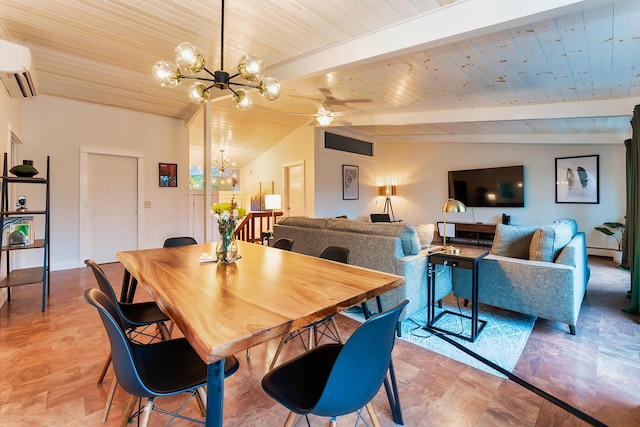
pixel 396 248
pixel 536 270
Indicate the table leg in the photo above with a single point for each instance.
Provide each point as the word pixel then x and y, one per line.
pixel 215 393
pixel 128 291
pixel 474 302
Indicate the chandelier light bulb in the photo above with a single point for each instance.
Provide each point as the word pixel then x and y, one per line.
pixel 242 99
pixel 189 58
pixel 198 93
pixel 166 73
pixel 269 88
pixel 190 61
pixel 250 68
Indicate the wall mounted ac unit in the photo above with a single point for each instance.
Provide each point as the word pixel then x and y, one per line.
pixel 16 70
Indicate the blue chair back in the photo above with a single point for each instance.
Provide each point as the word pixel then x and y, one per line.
pixel 107 290
pixel 361 366
pixel 284 243
pixel 121 352
pixel 336 253
pixel 179 241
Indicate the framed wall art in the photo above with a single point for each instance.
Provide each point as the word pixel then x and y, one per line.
pixel 350 182
pixel 577 179
pixel 168 173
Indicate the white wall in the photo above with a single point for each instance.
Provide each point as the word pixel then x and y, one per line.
pixel 58 128
pixel 419 170
pixel 294 149
pixel 421 173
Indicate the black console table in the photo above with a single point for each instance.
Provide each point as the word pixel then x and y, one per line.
pixel 468 259
pixel 472 234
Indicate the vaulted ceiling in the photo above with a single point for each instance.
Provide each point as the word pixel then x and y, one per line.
pixel 415 70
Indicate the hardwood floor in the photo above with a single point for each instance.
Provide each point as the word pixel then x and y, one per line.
pixel 49 364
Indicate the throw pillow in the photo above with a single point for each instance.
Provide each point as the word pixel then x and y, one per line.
pixel 541 248
pixel 425 234
pixel 549 240
pixel 513 240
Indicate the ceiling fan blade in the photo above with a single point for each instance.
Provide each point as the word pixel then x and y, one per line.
pixel 346 113
pixel 340 122
pixel 321 108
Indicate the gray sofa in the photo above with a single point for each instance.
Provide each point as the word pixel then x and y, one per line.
pixel 536 270
pixel 390 247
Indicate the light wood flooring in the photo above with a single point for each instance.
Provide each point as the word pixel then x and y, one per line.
pixel 49 363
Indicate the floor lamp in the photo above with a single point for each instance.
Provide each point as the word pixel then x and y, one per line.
pixel 388 191
pixel 451 206
pixel 273 201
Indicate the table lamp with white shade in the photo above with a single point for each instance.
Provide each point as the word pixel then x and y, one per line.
pixel 273 201
pixel 451 206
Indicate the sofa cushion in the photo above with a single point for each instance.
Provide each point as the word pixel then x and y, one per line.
pixel 513 240
pixel 303 221
pixel 405 232
pixel 425 234
pixel 549 240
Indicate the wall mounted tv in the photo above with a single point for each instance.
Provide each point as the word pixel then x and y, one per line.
pixel 488 187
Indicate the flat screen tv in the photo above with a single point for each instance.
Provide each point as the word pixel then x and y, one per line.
pixel 488 187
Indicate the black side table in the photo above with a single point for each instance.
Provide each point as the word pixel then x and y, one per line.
pixel 468 259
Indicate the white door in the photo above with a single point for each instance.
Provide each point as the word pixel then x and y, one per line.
pixel 111 222
pixel 294 176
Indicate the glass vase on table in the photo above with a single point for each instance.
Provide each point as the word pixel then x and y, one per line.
pixel 227 247
pixel 227 214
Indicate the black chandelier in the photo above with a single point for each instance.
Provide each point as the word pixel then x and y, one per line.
pixel 190 61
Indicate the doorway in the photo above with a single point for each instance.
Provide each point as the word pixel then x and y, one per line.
pixel 109 204
pixel 294 190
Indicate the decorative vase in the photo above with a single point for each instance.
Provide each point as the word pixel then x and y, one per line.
pixel 227 247
pixel 25 170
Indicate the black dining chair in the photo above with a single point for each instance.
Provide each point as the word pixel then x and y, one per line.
pixel 135 318
pixel 327 327
pixel 284 243
pixel 337 379
pixel 164 368
pixel 179 241
pixel 129 284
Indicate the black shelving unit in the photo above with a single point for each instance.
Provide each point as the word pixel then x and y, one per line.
pixel 25 276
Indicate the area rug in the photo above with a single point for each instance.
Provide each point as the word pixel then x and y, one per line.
pixel 501 340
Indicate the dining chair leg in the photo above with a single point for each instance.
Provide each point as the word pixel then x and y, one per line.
pixel 127 412
pixel 335 326
pixel 312 337
pixel 201 398
pixel 104 369
pixel 290 419
pixel 107 406
pixel 146 413
pixel 333 422
pixel 372 414
pixel 164 332
pixel 280 346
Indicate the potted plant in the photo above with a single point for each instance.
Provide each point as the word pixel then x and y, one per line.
pixel 611 229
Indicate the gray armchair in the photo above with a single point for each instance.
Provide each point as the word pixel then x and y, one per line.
pixel 540 271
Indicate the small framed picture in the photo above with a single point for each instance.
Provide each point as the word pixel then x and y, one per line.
pixel 577 179
pixel 168 174
pixel 350 184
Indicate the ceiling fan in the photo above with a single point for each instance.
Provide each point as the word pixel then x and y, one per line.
pixel 328 99
pixel 325 116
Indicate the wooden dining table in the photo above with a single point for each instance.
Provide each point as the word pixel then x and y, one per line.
pixel 223 309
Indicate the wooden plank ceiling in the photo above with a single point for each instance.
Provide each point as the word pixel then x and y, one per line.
pixel 421 70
